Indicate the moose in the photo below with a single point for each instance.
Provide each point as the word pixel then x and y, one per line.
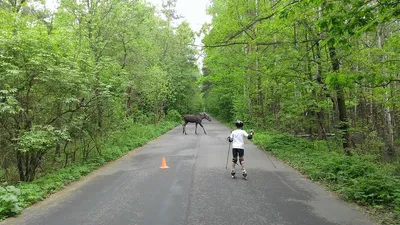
pixel 195 118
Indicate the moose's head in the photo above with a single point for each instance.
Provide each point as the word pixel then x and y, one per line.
pixel 205 116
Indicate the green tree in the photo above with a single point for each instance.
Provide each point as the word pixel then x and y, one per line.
pixel 314 62
pixel 71 78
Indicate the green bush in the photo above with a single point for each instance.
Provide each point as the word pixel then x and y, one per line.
pixel 358 178
pixel 14 199
pixel 173 116
pixel 10 203
pixel 373 189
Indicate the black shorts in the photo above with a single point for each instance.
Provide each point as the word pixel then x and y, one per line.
pixel 236 151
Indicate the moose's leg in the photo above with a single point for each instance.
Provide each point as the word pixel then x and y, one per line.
pixel 195 131
pixel 203 128
pixel 184 126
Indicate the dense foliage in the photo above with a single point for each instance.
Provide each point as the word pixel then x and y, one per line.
pixel 72 79
pixel 318 69
pixel 313 67
pixel 14 199
pixel 357 179
pixel 69 79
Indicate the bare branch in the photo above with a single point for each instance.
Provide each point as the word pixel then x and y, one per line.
pixel 379 85
pixel 257 20
pixel 79 106
pixel 259 43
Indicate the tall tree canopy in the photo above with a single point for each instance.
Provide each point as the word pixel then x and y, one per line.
pixel 315 67
pixel 71 77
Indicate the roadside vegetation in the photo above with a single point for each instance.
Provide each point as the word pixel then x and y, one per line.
pixel 14 199
pixel 83 85
pixel 360 179
pixel 319 83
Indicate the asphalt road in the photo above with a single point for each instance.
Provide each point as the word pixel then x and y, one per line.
pixel 196 189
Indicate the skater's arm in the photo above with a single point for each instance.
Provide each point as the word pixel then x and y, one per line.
pixel 230 138
pixel 250 136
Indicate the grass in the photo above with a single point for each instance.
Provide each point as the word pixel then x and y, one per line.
pixel 358 179
pixel 14 199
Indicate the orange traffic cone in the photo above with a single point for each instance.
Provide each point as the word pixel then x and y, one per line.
pixel 163 164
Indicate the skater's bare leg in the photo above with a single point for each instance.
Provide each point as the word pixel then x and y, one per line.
pixel 241 160
pixel 233 172
pixel 234 161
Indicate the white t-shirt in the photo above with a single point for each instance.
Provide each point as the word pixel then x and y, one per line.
pixel 237 136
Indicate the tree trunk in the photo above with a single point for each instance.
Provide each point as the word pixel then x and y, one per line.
pixel 341 101
pixel 387 112
pixel 20 161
